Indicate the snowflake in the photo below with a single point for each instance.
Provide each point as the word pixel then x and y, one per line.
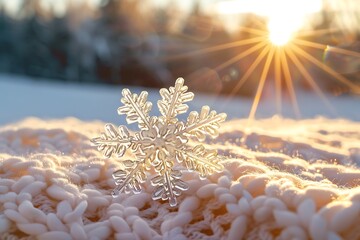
pixel 162 142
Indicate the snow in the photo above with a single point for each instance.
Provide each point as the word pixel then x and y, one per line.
pixel 283 178
pixel 287 178
pixel 21 97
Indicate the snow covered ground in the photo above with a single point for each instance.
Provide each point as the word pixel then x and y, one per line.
pixel 288 179
pixel 282 178
pixel 22 97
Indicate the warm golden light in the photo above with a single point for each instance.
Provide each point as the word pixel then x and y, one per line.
pixel 282 51
pixel 284 17
pixel 280 34
pixel 278 38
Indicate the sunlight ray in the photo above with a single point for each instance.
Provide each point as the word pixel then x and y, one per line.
pixel 260 88
pixel 289 84
pixel 235 59
pixel 240 56
pixel 278 85
pixel 326 68
pixel 324 47
pixel 250 70
pixel 215 48
pixel 309 79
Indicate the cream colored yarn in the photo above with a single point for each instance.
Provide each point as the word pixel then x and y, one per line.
pixel 286 180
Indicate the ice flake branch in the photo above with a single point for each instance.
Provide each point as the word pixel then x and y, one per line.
pixel 172 103
pixel 168 182
pixel 113 141
pixel 205 123
pixel 130 179
pixel 205 162
pixel 136 108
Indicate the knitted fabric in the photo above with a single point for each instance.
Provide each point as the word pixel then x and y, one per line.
pixel 285 179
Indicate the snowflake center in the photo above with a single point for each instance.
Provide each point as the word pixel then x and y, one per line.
pixel 159 142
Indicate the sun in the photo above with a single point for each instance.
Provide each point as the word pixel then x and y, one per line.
pixel 284 18
pixel 279 38
pixel 279 33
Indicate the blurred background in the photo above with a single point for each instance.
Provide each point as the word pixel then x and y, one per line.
pixel 149 43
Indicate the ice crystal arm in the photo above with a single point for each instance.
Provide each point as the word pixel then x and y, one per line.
pixel 205 162
pixel 136 107
pixel 168 183
pixel 168 186
pixel 113 141
pixel 130 179
pixel 172 103
pixel 205 123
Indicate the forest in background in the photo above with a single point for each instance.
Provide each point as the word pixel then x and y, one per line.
pixel 123 42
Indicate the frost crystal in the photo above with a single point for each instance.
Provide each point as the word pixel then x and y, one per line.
pixel 162 142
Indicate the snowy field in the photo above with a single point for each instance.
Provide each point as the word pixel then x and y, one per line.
pixel 282 178
pixel 21 97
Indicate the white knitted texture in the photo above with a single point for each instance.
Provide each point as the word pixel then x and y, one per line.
pixel 286 180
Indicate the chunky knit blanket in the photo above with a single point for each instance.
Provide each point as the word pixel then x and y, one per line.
pixel 283 179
